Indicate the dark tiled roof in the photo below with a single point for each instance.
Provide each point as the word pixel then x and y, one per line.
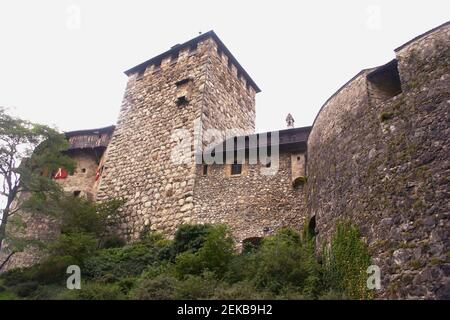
pixel 177 48
pixel 293 140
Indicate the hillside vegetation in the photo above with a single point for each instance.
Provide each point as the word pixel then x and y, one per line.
pixel 199 263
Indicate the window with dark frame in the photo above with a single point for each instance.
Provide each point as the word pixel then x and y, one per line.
pixel 76 193
pixel 236 169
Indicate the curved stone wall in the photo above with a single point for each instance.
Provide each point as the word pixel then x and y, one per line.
pixel 384 164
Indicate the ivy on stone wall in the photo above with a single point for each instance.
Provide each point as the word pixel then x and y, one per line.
pixel 346 261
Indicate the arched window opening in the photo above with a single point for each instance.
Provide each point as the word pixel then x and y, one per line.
pixel 251 244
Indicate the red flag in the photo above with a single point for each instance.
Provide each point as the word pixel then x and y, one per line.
pixel 60 174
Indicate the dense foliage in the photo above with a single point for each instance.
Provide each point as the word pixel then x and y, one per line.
pixel 29 153
pixel 199 263
pixel 346 262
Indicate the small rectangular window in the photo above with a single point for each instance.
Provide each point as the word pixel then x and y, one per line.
pixel 205 169
pixel 184 90
pixel 236 169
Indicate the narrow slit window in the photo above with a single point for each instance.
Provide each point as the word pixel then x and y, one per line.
pixel 205 169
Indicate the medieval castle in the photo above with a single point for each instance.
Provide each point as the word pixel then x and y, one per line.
pixel 377 153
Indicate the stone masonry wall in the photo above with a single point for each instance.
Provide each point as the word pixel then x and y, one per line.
pixel 252 204
pixel 33 227
pixel 385 166
pixel 229 102
pixel 144 161
pixel 43 228
pixel 83 178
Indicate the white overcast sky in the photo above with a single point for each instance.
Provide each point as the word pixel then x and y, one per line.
pixel 68 72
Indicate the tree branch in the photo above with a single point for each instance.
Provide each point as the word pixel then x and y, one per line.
pixel 6 260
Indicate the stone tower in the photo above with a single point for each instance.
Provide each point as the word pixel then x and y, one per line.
pixel 175 104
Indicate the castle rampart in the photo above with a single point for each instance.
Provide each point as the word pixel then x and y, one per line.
pixel 378 157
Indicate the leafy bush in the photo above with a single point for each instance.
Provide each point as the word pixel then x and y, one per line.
pixel 190 238
pixel 80 215
pixel 15 276
pixel 187 263
pixel 162 287
pixel 96 291
pixel 214 255
pixel 241 268
pixel 52 269
pixel 119 262
pixel 244 290
pixel 164 267
pixel 26 289
pixel 346 262
pixel 200 263
pixel 76 245
pixel 196 287
pixel 112 241
pixel 284 260
pixel 217 250
pixel 7 295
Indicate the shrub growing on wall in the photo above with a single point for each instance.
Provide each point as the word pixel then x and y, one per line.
pixel 346 262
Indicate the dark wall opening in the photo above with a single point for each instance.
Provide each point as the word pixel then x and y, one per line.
pixel 384 82
pixel 251 244
pixel 312 226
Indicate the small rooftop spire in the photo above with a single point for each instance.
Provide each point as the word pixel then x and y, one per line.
pixel 290 121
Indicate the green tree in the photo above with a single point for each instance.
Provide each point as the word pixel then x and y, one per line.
pixel 285 260
pixel 29 153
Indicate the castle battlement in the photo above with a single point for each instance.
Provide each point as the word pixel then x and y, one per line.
pixel 179 52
